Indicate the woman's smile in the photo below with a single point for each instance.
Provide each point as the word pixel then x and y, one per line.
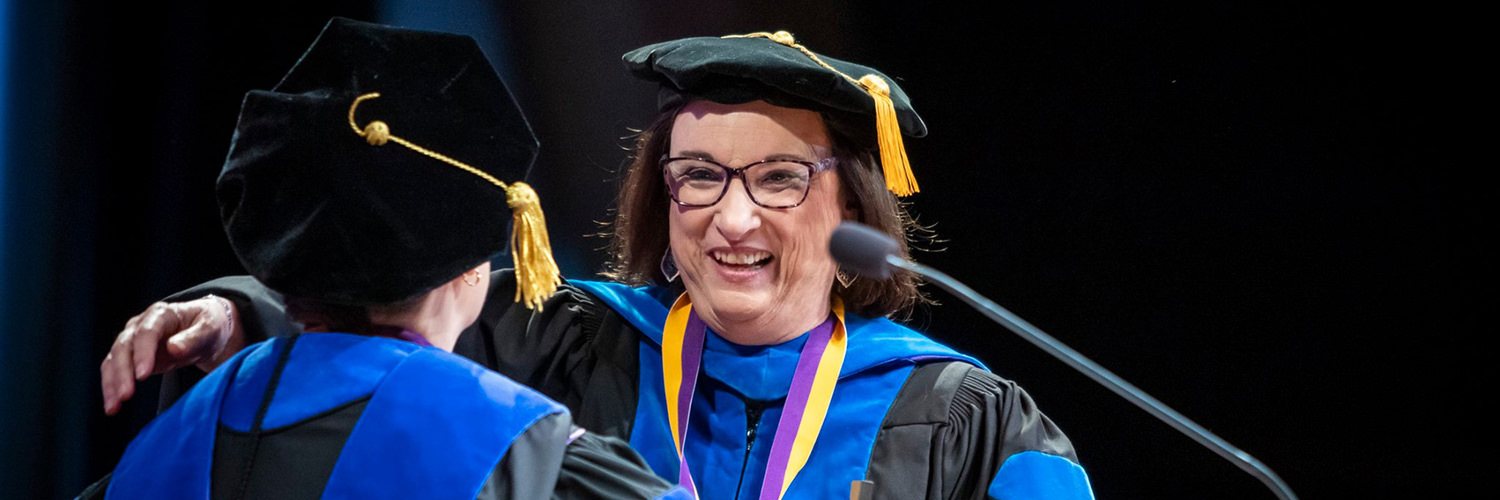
pixel 741 265
pixel 756 275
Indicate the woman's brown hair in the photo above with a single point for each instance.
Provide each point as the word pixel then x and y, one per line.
pixel 640 237
pixel 319 315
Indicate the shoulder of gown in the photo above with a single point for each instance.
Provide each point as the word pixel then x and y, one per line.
pixel 555 459
pixel 262 315
pixel 956 431
pixel 575 350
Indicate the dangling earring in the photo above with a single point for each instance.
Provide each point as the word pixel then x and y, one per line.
pixel 477 278
pixel 844 278
pixel 668 266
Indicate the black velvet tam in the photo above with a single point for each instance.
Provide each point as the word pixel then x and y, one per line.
pixel 314 210
pixel 738 70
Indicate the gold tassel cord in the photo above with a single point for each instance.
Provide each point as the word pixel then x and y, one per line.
pixel 377 133
pixel 894 163
pixel 898 176
pixel 537 276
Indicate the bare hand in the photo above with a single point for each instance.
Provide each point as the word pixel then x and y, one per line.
pixel 166 336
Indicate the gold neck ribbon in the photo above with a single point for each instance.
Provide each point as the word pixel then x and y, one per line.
pixel 537 276
pixel 898 176
pixel 807 401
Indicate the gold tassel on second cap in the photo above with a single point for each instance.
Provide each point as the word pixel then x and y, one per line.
pixel 898 175
pixel 897 170
pixel 537 276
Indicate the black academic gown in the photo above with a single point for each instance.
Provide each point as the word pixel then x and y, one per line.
pixel 329 415
pixel 952 430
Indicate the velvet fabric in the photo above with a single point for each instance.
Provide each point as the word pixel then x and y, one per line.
pixel 314 210
pixel 435 427
pixel 738 70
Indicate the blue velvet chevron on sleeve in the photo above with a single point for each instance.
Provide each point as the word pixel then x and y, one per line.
pixel 1036 475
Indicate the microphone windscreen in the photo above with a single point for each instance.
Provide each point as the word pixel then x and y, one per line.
pixel 862 249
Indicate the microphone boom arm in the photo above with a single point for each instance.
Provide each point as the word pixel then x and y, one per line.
pixel 1099 374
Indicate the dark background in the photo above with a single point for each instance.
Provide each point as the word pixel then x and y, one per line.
pixel 1251 212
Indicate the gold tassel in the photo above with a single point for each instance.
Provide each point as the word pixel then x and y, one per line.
pixel 537 276
pixel 897 170
pixel 898 176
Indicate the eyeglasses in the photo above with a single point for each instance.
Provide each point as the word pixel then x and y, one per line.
pixel 696 182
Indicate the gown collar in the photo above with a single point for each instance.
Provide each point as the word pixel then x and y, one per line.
pixel 759 372
pixel 387 331
pixel 398 333
pixel 873 342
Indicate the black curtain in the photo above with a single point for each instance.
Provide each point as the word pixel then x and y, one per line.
pixel 1237 208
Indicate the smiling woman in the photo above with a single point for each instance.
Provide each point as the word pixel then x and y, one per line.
pixel 758 275
pixel 728 349
pixel 639 244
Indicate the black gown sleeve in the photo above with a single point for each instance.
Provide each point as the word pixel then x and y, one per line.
pixel 530 466
pixel 543 463
pixel 598 466
pixel 951 428
pixel 262 315
pixel 576 351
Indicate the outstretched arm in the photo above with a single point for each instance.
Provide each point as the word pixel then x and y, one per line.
pixel 199 327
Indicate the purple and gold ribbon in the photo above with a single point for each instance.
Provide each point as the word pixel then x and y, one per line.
pixel 807 400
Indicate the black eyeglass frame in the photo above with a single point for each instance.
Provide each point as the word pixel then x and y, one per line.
pixel 813 168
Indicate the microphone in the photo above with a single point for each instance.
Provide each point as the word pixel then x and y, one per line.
pixel 863 249
pixel 872 253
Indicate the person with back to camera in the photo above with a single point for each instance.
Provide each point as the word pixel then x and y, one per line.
pixel 729 349
pixel 332 197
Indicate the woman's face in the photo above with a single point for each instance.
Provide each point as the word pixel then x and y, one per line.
pixel 756 275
